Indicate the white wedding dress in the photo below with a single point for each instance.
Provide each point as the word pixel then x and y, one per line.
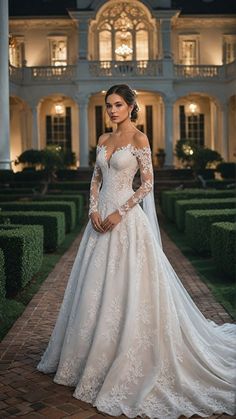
pixel 128 336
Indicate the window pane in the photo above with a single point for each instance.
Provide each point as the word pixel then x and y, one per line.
pixel 142 52
pixel 105 53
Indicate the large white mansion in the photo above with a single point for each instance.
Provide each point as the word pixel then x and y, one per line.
pixel 182 65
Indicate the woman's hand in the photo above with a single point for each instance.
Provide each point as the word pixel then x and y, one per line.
pixel 111 221
pixel 97 222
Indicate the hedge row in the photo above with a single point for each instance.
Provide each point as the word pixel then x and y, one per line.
pixel 68 208
pixel 2 276
pixel 184 205
pixel 23 251
pixel 72 186
pixel 168 198
pixel 223 247
pixel 76 198
pixel 198 226
pixel 53 224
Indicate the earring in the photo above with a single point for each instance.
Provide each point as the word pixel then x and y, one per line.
pixel 130 114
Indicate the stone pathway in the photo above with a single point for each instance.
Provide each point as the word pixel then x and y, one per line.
pixel 26 393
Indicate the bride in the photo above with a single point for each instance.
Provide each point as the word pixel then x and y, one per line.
pixel 128 336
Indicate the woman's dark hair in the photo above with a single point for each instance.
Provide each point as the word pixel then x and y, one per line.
pixel 128 95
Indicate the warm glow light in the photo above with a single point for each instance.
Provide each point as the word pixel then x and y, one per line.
pixel 193 107
pixel 124 50
pixel 59 109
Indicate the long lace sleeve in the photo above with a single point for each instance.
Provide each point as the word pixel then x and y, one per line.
pixel 146 172
pixel 94 189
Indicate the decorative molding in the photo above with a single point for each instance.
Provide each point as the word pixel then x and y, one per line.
pixel 205 22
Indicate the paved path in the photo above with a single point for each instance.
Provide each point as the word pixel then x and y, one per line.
pixel 24 392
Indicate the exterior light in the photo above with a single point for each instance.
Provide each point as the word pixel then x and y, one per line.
pixel 59 109
pixel 193 108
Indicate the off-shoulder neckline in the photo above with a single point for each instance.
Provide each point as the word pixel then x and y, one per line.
pixel 126 146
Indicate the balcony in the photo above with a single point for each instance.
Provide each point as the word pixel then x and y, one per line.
pixel 149 69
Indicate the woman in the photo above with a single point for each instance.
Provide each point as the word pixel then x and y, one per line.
pixel 128 336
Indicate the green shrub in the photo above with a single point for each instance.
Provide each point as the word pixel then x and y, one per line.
pixel 17 191
pixel 68 208
pixel 220 184
pixel 198 226
pixel 184 205
pixel 223 247
pixel 2 276
pixel 73 186
pixel 53 224
pixel 227 170
pixel 77 199
pixel 23 251
pixel 169 198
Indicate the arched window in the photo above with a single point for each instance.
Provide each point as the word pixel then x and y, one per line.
pixel 123 32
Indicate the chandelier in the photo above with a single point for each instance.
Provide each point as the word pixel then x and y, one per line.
pixel 123 50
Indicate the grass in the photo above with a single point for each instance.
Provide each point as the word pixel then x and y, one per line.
pixel 10 310
pixel 223 288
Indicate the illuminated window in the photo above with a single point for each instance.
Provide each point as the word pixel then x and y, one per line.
pixel 16 51
pixel 58 129
pixel 124 33
pixel 229 48
pixel 192 126
pixel 188 49
pixel 58 51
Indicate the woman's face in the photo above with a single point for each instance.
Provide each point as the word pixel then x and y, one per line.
pixel 118 110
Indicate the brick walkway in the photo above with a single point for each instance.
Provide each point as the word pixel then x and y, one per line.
pixel 24 392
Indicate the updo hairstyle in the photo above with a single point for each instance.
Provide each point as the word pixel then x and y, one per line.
pixel 128 95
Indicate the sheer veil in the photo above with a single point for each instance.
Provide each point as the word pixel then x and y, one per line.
pixel 150 211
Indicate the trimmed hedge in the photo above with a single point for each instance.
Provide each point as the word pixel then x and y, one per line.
pixel 17 191
pixel 169 198
pixel 23 251
pixel 53 224
pixel 73 186
pixel 182 206
pixel 77 199
pixel 223 247
pixel 2 276
pixel 227 170
pixel 68 208
pixel 198 226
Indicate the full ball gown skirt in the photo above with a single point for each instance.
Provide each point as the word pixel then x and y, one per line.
pixel 128 336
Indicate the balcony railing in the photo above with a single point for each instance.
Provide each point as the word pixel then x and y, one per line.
pixel 145 68
pixel 198 71
pixel 90 70
pixel 53 73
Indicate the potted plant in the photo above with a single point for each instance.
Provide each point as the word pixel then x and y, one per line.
pixel 161 156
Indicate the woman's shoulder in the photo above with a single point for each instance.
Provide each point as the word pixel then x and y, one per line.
pixel 140 140
pixel 103 138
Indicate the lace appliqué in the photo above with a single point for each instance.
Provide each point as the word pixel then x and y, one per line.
pixel 144 158
pixel 94 188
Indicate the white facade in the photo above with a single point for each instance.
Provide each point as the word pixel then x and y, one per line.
pixel 182 67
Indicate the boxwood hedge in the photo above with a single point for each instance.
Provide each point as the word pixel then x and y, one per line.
pixel 68 208
pixel 223 247
pixel 76 198
pixel 184 205
pixel 2 275
pixel 53 224
pixel 23 252
pixel 198 226
pixel 169 198
pixel 81 185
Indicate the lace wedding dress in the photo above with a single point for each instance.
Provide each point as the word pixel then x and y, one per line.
pixel 128 336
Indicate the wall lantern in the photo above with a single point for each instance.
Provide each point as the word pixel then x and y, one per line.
pixel 59 109
pixel 193 109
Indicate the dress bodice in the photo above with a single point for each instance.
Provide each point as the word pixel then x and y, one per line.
pixel 116 175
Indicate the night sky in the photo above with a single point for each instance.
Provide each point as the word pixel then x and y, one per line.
pixel 59 7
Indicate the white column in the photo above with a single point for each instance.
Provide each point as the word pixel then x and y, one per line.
pixel 169 132
pixel 35 128
pixel 83 130
pixel 83 37
pixel 4 88
pixel 224 131
pixel 166 38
